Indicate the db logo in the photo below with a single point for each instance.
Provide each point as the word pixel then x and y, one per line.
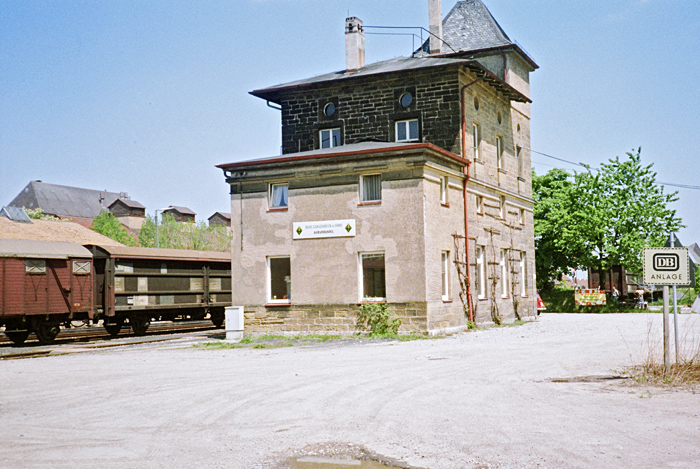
pixel 666 262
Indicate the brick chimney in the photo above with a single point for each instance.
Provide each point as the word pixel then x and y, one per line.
pixel 435 17
pixel 354 44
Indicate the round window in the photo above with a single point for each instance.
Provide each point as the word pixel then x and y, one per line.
pixel 329 109
pixel 406 99
pixel 476 103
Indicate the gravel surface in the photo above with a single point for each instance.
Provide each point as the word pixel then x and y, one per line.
pixel 534 395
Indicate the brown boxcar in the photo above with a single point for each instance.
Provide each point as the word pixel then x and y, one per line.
pixel 141 284
pixel 42 285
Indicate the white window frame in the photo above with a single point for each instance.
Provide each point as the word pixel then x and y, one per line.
pixel 505 278
pixel 476 140
pixel 332 142
pixel 445 274
pixel 271 193
pixel 361 283
pixel 499 152
pixel 523 274
pixel 443 190
pixel 362 189
pixel 407 124
pixel 480 273
pixel 270 299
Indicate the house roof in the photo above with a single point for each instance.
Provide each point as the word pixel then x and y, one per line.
pixel 15 214
pixel 398 64
pixel 180 210
pixel 51 230
pixel 129 203
pixel 125 252
pixel 469 28
pixel 60 200
pixel 357 149
pixel 225 215
pixel 25 248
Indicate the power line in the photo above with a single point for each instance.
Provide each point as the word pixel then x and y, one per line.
pixel 670 184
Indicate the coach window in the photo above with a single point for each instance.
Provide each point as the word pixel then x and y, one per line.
pixel 278 197
pixel 35 266
pixel 279 280
pixel 373 279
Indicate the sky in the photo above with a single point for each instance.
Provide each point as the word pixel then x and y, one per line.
pixel 146 97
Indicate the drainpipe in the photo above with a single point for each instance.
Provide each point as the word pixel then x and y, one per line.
pixel 470 302
pixel 505 65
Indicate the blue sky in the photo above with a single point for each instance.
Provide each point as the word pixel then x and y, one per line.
pixel 146 97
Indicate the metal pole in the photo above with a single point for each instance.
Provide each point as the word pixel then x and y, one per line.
pixel 675 309
pixel 667 337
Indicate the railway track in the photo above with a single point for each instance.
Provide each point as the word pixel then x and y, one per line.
pixel 97 333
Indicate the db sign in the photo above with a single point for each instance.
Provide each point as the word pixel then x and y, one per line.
pixel 666 266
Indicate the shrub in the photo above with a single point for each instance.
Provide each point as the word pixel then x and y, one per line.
pixel 376 318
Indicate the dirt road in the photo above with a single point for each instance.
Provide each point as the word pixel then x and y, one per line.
pixel 526 396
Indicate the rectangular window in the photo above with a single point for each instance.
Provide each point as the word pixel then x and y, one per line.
pixel 480 273
pixel 445 275
pixel 479 205
pixel 329 138
pixel 371 188
pixel 81 268
pixel 504 273
pixel 279 280
pixel 443 190
pixel 521 216
pixel 373 277
pixel 502 207
pixel 407 131
pixel 519 157
pixel 476 140
pixel 523 273
pixel 499 152
pixel 278 196
pixel 35 266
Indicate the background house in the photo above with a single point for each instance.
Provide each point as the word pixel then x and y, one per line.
pixel 180 214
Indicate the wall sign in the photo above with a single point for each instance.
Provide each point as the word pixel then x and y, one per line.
pixel 323 229
pixel 666 266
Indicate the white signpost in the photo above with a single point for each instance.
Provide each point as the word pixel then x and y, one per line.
pixel 667 266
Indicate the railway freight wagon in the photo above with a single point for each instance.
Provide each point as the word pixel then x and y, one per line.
pixel 137 285
pixel 43 284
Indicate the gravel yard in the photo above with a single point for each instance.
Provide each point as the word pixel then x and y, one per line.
pixel 536 395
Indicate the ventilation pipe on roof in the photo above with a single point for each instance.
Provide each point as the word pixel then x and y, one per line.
pixel 435 17
pixel 354 44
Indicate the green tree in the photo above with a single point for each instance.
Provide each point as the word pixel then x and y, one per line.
pixel 615 213
pixel 552 213
pixel 107 224
pixel 147 235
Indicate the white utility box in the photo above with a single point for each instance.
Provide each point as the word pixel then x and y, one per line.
pixel 234 322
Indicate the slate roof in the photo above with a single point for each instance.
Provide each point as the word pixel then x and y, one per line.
pixel 469 26
pixel 60 200
pixel 128 202
pixel 15 214
pixel 397 64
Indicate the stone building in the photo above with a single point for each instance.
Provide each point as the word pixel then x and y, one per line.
pixel 385 169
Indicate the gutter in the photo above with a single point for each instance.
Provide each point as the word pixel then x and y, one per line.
pixel 470 302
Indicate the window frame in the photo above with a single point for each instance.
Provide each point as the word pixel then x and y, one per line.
pixel 505 277
pixel 480 272
pixel 523 274
pixel 275 301
pixel 521 216
pixel 476 141
pixel 479 204
pixel 361 271
pixel 445 275
pixel 270 194
pixel 362 190
pixel 331 130
pixel 407 122
pixel 78 267
pixel 444 183
pixel 37 267
pixel 502 207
